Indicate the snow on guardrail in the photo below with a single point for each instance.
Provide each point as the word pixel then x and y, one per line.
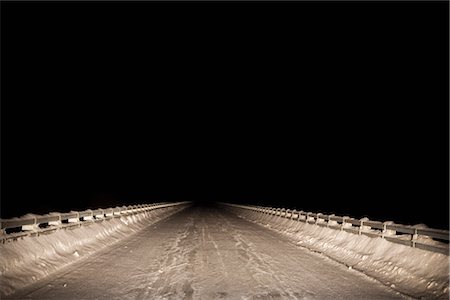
pixel 417 236
pixel 40 245
pixel 411 259
pixel 30 224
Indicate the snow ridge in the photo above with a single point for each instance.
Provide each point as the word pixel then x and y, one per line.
pixel 32 258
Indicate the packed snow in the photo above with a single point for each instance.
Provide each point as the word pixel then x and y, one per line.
pixel 197 253
pixel 29 259
pixel 411 271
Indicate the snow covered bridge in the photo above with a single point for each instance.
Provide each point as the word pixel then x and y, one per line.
pixel 180 251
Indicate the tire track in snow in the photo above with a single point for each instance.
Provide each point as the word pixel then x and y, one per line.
pixel 261 264
pixel 211 272
pixel 224 268
pixel 172 277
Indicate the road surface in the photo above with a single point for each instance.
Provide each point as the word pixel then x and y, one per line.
pixel 206 253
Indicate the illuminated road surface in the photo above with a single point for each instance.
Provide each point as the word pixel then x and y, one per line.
pixel 206 253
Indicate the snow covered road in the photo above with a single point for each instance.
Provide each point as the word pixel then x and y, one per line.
pixel 206 253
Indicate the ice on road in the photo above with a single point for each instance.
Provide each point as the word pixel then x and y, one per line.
pixel 206 253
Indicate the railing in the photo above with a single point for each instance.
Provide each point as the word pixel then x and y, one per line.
pixel 429 239
pixel 39 224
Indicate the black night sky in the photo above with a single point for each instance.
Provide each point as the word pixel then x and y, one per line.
pixel 333 107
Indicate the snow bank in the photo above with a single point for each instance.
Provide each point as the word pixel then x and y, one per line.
pixel 29 259
pixel 411 271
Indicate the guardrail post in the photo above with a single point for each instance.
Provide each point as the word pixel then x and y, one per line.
pixel 363 227
pixel 317 218
pixel 110 213
pixel 74 220
pixel 332 222
pixel 414 238
pixel 288 214
pixel 343 222
pixel 100 216
pixel 387 232
pixel 293 213
pixel 31 227
pixel 89 218
pixel 56 223
pixel 361 224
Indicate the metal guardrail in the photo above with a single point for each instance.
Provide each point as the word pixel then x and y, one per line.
pixel 413 236
pixel 38 224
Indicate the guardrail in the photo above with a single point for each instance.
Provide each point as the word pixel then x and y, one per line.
pixel 39 224
pixel 429 239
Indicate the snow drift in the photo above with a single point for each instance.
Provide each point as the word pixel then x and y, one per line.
pixel 411 271
pixel 31 258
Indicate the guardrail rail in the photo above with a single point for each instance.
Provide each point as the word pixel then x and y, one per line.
pixel 15 228
pixel 435 240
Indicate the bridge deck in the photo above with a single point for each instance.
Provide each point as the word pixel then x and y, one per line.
pixel 206 253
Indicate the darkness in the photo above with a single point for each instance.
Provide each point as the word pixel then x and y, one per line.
pixel 333 107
